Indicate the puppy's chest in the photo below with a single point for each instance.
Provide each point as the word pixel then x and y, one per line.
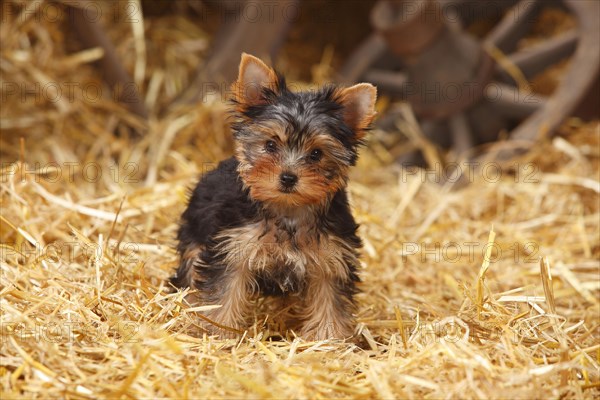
pixel 271 246
pixel 283 255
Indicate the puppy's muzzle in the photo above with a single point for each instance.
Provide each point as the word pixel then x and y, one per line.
pixel 288 180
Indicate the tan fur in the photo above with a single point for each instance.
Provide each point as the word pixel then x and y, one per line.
pixel 189 258
pixel 234 295
pixel 236 299
pixel 262 178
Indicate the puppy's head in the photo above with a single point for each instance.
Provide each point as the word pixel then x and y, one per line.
pixel 295 148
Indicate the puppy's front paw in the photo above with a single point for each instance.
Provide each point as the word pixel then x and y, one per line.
pixel 324 331
pixel 214 323
pixel 224 332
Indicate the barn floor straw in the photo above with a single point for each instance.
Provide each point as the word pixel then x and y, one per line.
pixel 489 291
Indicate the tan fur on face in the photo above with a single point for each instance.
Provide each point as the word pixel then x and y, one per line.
pixel 262 179
pixel 312 189
pixel 261 174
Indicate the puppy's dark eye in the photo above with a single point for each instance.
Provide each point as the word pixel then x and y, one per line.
pixel 270 146
pixel 315 155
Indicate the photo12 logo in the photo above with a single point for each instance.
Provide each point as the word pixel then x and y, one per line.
pixel 471 171
pixel 454 252
pixel 69 332
pixel 69 171
pixel 42 11
pixel 61 93
pixel 72 252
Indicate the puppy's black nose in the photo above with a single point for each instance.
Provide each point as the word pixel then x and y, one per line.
pixel 288 180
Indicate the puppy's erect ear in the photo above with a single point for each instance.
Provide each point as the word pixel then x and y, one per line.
pixel 254 75
pixel 359 107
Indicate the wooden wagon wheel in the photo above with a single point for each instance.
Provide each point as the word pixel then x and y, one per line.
pixel 419 44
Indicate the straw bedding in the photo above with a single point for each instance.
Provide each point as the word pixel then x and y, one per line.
pixel 486 291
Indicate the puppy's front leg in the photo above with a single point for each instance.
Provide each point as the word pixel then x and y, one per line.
pixel 232 286
pixel 327 309
pixel 234 293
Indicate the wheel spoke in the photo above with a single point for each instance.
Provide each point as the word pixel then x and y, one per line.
pixel 467 11
pixel 535 59
pixel 576 81
pixel 514 25
pixel 462 137
pixel 369 51
pixel 512 103
pixel 394 82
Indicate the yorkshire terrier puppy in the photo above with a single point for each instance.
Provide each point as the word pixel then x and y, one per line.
pixel 274 220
